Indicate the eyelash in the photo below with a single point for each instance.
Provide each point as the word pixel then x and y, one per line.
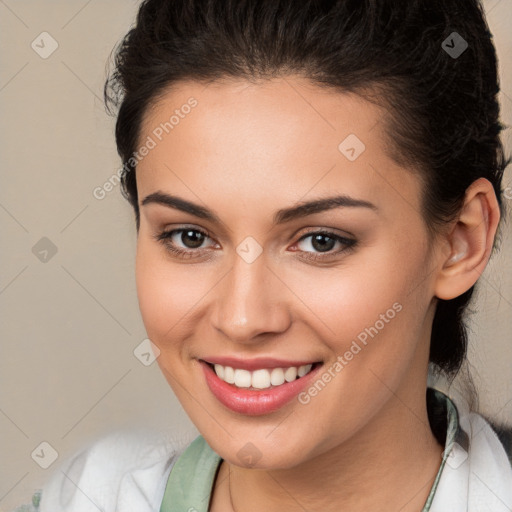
pixel 349 244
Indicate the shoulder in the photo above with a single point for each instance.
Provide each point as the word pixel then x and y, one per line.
pixel 121 471
pixel 488 439
pixel 504 434
pixel 474 430
pixel 478 472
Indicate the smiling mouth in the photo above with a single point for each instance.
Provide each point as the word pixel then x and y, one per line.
pixel 263 378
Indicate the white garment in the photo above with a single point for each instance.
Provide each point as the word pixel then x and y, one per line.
pixel 127 472
pixel 121 472
pixel 481 482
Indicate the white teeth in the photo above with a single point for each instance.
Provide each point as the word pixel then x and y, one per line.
pixel 242 378
pixel 229 375
pixel 219 370
pixel 303 370
pixel 290 374
pixel 277 377
pixel 260 379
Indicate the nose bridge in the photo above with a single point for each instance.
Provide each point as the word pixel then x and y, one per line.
pixel 248 303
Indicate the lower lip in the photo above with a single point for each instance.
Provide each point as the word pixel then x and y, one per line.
pixel 251 402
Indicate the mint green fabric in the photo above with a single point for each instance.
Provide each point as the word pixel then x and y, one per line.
pixel 191 479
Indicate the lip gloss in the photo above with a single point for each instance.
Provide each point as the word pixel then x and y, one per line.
pixel 253 402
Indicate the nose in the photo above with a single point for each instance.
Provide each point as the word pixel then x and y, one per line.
pixel 251 302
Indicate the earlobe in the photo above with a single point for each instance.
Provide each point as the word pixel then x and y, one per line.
pixel 470 241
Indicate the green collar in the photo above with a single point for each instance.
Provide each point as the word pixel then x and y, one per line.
pixel 190 483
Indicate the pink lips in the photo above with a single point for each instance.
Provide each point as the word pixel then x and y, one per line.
pixel 252 402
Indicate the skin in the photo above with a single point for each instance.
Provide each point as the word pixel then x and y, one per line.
pixel 244 152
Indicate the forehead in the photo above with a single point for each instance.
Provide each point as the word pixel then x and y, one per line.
pixel 275 139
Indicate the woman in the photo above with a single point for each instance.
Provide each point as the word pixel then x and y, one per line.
pixel 317 189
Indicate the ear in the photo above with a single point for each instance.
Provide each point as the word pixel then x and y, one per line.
pixel 469 242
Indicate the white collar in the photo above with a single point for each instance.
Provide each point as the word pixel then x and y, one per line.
pixel 477 474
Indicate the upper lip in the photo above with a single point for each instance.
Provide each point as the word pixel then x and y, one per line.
pixel 255 363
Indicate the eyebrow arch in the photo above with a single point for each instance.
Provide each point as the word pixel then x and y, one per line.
pixel 281 216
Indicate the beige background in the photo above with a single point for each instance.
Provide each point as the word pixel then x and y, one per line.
pixel 69 326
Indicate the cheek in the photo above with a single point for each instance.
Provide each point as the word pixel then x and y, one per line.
pixel 347 299
pixel 168 295
pixel 370 315
pixel 370 312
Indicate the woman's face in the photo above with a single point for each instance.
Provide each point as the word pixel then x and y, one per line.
pixel 348 284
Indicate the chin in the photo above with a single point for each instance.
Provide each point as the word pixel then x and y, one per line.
pixel 256 453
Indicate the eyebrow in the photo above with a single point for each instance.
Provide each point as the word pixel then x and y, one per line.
pixel 281 216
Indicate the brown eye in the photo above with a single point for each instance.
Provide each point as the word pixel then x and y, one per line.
pixel 323 242
pixel 183 242
pixel 196 238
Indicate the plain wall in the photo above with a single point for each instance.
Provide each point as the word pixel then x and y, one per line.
pixel 70 325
